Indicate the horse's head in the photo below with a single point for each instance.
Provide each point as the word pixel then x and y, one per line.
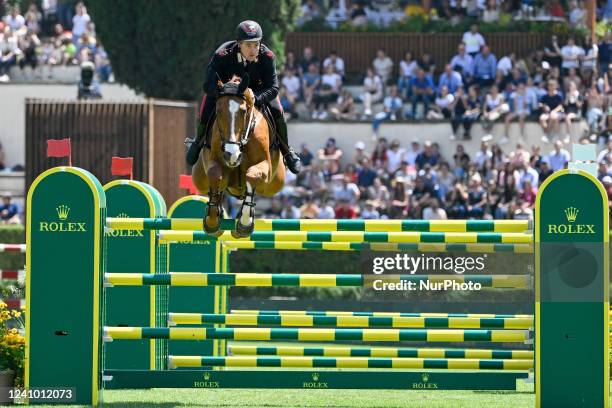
pixel 235 111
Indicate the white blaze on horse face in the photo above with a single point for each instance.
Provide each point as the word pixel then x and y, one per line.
pixel 234 107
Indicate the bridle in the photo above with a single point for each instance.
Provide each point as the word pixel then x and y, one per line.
pixel 232 90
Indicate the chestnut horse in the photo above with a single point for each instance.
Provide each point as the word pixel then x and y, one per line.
pixel 239 160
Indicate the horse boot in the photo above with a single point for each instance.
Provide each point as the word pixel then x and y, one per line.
pixel 291 159
pixel 248 204
pixel 195 145
pixel 214 202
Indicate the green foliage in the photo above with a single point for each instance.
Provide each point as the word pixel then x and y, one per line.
pixel 12 234
pixel 162 49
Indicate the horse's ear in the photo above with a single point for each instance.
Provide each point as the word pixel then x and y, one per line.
pixel 244 83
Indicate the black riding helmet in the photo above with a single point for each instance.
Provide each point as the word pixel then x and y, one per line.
pixel 249 30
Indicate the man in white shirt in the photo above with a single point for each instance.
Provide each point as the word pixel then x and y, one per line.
pixel 336 61
pixel 291 83
pixel 80 21
pixel 415 149
pixel 383 65
pixel 473 40
pixel 506 63
pixel 483 154
pixel 395 156
pixel 15 20
pixel 571 54
pixel 464 61
pixel 558 158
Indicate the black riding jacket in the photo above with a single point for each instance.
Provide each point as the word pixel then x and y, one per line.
pixel 228 61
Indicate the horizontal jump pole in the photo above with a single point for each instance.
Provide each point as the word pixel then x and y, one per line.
pixel 383 314
pixel 391 352
pixel 350 236
pixel 19 248
pixel 350 321
pixel 349 362
pixel 256 334
pixel 307 280
pixel 379 246
pixel 196 224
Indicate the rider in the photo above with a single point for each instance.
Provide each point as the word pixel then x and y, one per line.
pixel 245 55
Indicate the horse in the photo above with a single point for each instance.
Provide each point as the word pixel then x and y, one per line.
pixel 240 160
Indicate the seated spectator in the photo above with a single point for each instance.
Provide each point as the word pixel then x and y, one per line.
pixel 345 106
pixel 527 173
pixel 428 156
pixel 336 61
pixel 347 190
pixel 552 52
pixel 544 171
pixel 330 157
pixel 588 65
pixel 289 210
pixel 380 158
pixel 310 10
pixel 506 63
pixel 451 79
pixel 8 54
pixel 483 155
pixel 305 155
pixel 310 209
pixel 33 18
pixel 103 66
pixel 292 64
pixel 477 199
pixel 311 181
pixel 465 111
pixel 552 111
pixel 520 110
pixel 427 64
pixel 462 161
pixel 577 14
pixel 358 15
pixel 519 156
pixel 9 214
pixel 532 97
pixel 491 13
pixel 528 193
pixel 292 84
pixel 594 111
pixel 392 109
pixel 604 52
pixel 399 199
pixel 572 107
pixel 287 102
pixel 327 211
pixel 307 59
pixel 360 154
pixel 15 21
pixel 379 195
pixel 463 63
pixel 558 158
pixel 420 197
pixel 603 170
pixel 494 108
pixel 407 70
pixel 331 84
pixel 337 14
pixel 422 91
pixel 572 76
pixel 349 173
pixel 28 45
pixel 457 202
pixel 365 176
pixel 311 82
pixel 442 106
pixel 344 210
pixel 383 66
pixel 413 152
pixel 473 40
pixel 485 67
pixel 369 211
pixel 395 156
pixel 372 91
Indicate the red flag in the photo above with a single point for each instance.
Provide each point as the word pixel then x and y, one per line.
pixel 185 181
pixel 59 148
pixel 122 166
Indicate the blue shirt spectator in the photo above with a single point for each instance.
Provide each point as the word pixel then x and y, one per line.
pixel 485 67
pixel 463 62
pixel 451 79
pixel 8 210
pixel 423 83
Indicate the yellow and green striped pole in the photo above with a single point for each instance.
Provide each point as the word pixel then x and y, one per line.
pixel 348 362
pixel 307 280
pixel 380 246
pixel 360 351
pixel 195 224
pixel 383 314
pixel 308 334
pixel 350 321
pixel 358 236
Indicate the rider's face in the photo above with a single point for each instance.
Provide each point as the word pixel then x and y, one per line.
pixel 249 49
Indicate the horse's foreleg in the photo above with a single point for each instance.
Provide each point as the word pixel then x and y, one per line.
pixel 256 177
pixel 212 223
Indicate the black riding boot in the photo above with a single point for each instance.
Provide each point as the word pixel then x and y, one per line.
pixel 195 145
pixel 291 159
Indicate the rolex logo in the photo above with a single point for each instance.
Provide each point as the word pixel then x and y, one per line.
pixel 206 376
pixel 62 212
pixel 571 213
pixel 424 377
pixel 315 376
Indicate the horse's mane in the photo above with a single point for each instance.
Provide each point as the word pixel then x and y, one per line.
pixel 235 87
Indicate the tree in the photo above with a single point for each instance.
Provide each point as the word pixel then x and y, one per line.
pixel 161 48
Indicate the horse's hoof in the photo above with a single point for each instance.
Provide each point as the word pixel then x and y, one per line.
pixel 243 231
pixel 214 231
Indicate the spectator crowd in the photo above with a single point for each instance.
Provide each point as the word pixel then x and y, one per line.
pixel 57 36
